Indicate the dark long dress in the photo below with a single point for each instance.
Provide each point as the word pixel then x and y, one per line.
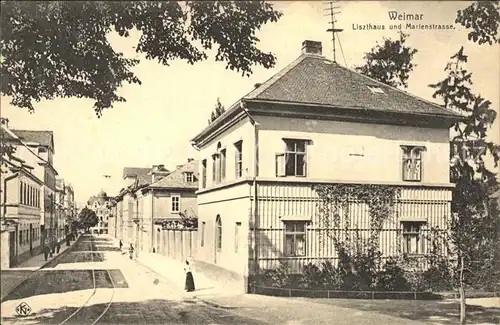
pixel 189 286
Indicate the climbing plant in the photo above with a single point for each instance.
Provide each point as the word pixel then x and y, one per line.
pixel 335 199
pixel 358 256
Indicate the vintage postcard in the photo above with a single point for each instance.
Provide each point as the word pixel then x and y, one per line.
pixel 250 162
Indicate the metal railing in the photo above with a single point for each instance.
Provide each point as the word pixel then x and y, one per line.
pixel 361 294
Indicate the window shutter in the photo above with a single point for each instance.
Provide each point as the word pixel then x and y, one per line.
pixel 280 164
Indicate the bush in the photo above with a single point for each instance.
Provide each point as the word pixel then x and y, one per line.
pixel 278 277
pixel 392 277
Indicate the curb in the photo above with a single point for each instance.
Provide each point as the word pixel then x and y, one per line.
pixel 215 305
pixel 41 267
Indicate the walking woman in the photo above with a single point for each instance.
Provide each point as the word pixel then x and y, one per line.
pixel 189 287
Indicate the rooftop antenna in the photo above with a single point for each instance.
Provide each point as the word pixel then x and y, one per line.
pixel 333 6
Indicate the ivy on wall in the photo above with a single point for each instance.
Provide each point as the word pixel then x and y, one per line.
pixel 335 200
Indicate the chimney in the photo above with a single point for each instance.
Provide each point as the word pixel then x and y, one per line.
pixel 311 47
pixel 190 160
pixel 4 121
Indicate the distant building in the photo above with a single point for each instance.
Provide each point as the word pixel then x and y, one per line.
pixel 101 205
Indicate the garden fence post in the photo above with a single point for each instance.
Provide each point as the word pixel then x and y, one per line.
pixel 415 295
pixel 290 292
pixel 328 293
pixel 373 295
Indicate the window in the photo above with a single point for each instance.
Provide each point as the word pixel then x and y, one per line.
pixel 176 203
pixel 202 242
pixel 21 192
pixel 239 158
pixel 295 238
pixel 204 173
pixel 236 236
pixel 222 165
pixel 215 167
pixel 20 237
pixel 189 177
pixel 218 233
pixel 293 161
pixel 376 90
pixel 413 242
pixel 412 163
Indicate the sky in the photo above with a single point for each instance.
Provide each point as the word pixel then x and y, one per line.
pixel 174 102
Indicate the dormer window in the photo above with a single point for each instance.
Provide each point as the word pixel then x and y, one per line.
pixel 189 177
pixel 375 89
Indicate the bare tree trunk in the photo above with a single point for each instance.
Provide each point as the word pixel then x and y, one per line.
pixel 462 293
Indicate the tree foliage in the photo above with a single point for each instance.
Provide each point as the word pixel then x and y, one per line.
pixel 390 63
pixel 474 228
pixel 87 218
pixel 483 19
pixel 52 49
pixel 218 111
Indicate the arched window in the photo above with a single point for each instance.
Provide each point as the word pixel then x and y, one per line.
pixel 218 233
pixel 412 163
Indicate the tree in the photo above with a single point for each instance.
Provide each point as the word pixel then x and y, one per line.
pixel 87 218
pixel 52 49
pixel 390 63
pixel 218 111
pixel 474 230
pixel 483 17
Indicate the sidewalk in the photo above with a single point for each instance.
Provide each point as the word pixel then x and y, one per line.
pixel 173 270
pixel 12 277
pixel 38 261
pixel 276 310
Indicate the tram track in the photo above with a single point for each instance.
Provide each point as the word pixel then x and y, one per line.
pixel 95 288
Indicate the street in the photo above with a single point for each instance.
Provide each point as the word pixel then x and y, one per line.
pixel 94 283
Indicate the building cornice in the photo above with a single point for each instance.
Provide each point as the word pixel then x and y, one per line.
pixel 349 114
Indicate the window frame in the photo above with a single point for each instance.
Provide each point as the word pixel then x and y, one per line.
pixel 238 159
pixel 189 177
pixel 414 155
pixel 172 202
pixel 408 233
pixel 295 233
pixel 295 153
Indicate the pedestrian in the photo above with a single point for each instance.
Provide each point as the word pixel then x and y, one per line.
pixel 189 287
pixel 121 245
pixel 45 251
pixel 58 247
pixel 131 251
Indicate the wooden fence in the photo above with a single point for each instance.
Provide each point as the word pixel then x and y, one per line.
pixel 178 244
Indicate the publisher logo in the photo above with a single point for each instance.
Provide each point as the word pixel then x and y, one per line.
pixel 23 309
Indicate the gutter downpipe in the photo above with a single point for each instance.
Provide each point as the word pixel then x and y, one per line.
pixel 254 218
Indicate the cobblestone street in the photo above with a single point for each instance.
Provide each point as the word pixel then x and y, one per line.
pixel 126 293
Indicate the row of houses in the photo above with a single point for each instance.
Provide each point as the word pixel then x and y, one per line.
pixel 37 205
pixel 253 187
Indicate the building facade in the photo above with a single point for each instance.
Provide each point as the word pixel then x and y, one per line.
pixel 312 125
pixel 20 211
pixel 36 149
pixel 101 205
pixel 166 201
